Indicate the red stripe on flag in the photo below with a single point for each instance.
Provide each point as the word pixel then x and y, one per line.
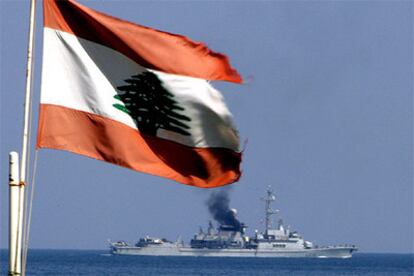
pixel 154 49
pixel 108 140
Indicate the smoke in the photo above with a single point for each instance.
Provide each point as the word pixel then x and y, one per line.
pixel 218 205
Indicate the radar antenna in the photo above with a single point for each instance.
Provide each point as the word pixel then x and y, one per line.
pixel 270 197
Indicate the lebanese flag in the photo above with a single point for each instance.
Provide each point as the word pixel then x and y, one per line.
pixel 135 97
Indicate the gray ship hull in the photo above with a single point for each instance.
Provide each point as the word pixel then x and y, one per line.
pixel 175 250
pixel 230 240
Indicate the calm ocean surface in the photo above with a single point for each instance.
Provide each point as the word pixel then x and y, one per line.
pixel 79 262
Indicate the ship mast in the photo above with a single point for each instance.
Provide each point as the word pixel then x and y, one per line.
pixel 270 197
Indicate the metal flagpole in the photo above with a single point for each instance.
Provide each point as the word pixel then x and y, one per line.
pixel 17 208
pixel 23 169
pixel 14 184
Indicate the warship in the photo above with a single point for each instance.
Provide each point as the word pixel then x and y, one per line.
pixel 232 241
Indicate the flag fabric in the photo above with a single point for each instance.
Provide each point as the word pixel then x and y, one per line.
pixel 136 97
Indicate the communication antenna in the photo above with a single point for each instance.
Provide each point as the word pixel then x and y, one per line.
pixel 270 197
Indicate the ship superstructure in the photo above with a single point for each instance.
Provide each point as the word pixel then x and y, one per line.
pixel 232 241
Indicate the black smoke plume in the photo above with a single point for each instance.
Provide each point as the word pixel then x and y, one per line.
pixel 218 205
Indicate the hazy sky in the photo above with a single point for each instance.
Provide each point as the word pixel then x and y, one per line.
pixel 327 113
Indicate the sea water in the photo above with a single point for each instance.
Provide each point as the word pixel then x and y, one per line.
pixel 85 262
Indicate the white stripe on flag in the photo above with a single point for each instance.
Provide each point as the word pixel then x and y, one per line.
pixel 83 75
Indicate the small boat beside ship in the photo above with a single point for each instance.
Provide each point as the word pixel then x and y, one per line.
pixel 232 241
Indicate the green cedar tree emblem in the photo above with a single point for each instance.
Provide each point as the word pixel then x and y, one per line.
pixel 150 105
